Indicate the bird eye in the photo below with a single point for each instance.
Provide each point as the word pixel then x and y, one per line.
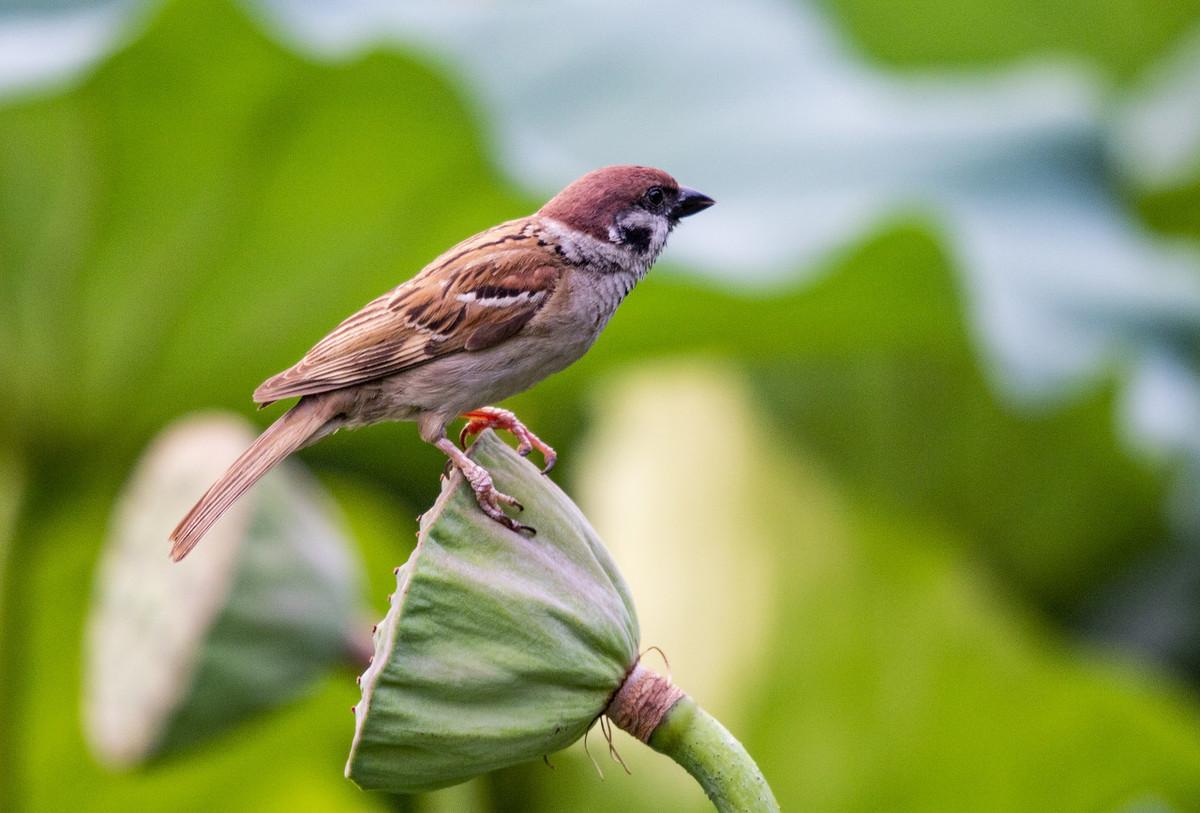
pixel 654 196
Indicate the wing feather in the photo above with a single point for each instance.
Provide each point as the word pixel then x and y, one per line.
pixel 477 294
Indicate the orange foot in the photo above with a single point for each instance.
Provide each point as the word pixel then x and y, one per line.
pixel 496 418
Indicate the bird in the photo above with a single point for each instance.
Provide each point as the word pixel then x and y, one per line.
pixel 487 319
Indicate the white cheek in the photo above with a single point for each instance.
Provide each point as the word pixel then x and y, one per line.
pixel 579 247
pixel 658 235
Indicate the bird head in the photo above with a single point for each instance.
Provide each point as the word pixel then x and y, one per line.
pixel 632 207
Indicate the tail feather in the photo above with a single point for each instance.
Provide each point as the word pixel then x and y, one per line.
pixel 295 429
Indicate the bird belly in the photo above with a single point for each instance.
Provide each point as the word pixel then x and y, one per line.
pixel 448 386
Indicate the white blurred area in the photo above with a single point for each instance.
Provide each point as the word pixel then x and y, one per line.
pixel 705 527
pixel 44 50
pixel 808 147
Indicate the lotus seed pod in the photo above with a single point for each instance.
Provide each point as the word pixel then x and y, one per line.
pixel 498 647
pixel 268 602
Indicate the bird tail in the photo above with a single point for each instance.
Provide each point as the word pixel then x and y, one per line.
pixel 297 427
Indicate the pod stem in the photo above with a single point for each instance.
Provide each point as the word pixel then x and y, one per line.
pixel 651 708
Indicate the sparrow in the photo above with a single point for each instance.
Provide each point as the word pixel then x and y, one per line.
pixel 486 320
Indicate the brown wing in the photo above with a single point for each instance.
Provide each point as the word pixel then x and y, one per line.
pixel 476 295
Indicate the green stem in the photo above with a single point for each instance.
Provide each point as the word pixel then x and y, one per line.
pixel 692 737
pixel 657 712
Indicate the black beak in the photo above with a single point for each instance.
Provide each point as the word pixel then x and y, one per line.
pixel 690 201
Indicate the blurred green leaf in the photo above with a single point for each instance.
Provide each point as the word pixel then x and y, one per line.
pixel 927 688
pixel 1176 210
pixel 198 211
pixel 1051 498
pixel 1121 35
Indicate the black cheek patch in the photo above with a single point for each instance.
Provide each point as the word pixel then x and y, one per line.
pixel 636 237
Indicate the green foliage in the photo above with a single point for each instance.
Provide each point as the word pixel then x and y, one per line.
pixel 1119 35
pixel 207 202
pixel 1176 211
pixel 937 688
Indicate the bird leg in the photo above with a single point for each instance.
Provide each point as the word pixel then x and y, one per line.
pixel 486 494
pixel 496 418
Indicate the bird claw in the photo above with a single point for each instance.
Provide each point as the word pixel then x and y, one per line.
pixel 491 498
pixel 471 427
pixel 493 417
pixel 518 527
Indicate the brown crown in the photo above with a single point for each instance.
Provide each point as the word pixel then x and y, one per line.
pixel 591 204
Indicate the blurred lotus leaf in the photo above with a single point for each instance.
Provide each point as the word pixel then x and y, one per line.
pixel 170 193
pixel 179 651
pixel 498 647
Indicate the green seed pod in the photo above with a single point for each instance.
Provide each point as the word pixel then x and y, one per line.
pixel 267 603
pixel 498 647
pixel 501 647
